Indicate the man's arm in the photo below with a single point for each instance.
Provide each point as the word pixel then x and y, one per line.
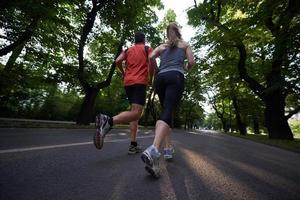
pixel 119 61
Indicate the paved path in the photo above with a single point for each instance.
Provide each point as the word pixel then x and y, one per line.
pixel 63 164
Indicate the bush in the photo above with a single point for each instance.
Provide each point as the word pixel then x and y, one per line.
pixel 295 126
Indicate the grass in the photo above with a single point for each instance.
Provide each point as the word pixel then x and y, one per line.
pixel 285 144
pixel 295 126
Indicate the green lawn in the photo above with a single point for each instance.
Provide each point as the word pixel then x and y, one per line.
pixel 285 144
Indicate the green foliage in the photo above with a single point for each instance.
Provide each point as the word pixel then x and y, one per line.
pixel 211 121
pixel 222 25
pixel 112 100
pixel 295 126
pixel 170 16
pixel 59 106
pixel 191 112
pixel 43 81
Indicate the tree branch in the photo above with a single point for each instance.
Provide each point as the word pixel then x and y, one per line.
pixel 22 39
pixel 254 85
pixel 106 83
pixel 213 17
pixel 89 23
pixel 218 11
pixel 295 111
pixel 195 3
pixel 238 43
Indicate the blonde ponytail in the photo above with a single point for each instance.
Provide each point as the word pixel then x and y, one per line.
pixel 173 34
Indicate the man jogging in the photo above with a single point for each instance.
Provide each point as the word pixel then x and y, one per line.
pixel 135 79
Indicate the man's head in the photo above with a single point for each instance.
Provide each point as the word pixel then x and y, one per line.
pixel 139 37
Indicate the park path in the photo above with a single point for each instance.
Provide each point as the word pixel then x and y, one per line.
pixel 63 164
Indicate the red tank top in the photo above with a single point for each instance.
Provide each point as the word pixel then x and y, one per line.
pixel 137 65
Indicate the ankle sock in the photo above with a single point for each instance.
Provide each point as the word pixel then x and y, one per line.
pixel 110 121
pixel 133 143
pixel 155 150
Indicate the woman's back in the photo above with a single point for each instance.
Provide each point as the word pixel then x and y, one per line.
pixel 172 59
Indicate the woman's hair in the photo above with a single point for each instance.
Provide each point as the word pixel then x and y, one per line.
pixel 173 34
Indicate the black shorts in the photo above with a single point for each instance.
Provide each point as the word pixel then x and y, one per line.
pixel 136 94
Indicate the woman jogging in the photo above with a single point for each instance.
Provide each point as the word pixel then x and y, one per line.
pixel 169 85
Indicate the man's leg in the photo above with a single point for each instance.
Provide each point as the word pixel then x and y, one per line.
pixel 133 126
pixel 128 116
pixel 134 147
pixel 136 96
pixel 104 123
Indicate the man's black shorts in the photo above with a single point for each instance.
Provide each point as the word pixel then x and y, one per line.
pixel 136 94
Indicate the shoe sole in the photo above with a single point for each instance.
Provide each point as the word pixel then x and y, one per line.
pixel 98 141
pixel 149 166
pixel 98 138
pixel 168 158
pixel 151 171
pixel 146 160
pixel 133 152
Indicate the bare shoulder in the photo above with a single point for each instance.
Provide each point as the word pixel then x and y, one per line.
pixel 162 47
pixel 183 44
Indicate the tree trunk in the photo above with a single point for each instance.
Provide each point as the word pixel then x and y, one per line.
pixel 240 124
pixel 13 57
pixel 148 108
pixel 185 122
pixel 224 125
pixel 86 111
pixel 255 124
pixel 87 107
pixel 276 122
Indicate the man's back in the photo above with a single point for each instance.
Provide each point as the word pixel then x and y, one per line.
pixel 136 65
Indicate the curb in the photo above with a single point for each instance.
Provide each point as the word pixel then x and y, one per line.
pixel 32 123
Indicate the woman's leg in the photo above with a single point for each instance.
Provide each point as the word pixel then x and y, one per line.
pixel 162 130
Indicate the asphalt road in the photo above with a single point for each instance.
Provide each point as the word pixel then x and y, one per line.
pixel 63 164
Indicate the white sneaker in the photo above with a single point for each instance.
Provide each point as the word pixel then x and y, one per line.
pixel 168 153
pixel 102 128
pixel 151 159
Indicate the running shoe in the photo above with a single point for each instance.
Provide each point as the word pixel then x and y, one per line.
pixel 151 159
pixel 168 153
pixel 134 149
pixel 102 128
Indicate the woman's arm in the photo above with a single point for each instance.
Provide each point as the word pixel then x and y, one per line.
pixel 153 65
pixel 155 53
pixel 190 57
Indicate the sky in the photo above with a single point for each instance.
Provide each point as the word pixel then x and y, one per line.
pixel 180 8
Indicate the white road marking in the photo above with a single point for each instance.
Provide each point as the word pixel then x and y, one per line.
pixel 64 145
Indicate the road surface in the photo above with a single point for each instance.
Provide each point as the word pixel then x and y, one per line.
pixel 64 164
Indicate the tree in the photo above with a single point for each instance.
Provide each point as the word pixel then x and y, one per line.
pixel 39 37
pixel 121 18
pixel 265 30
